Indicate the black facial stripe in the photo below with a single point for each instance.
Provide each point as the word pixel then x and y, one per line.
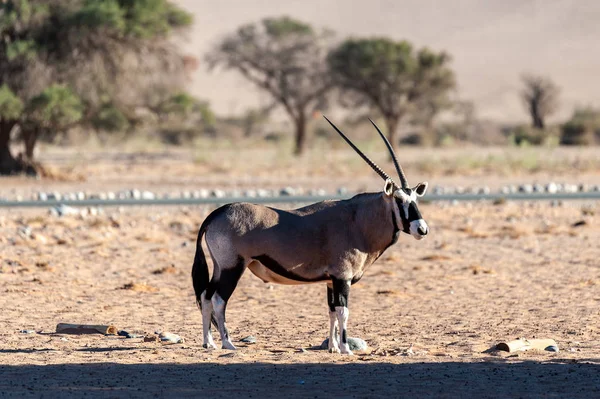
pixel 413 212
pixel 403 219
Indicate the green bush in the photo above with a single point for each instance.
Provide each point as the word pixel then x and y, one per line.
pixel 582 129
pixel 526 135
pixel 110 119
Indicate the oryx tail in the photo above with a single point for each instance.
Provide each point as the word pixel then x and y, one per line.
pixel 200 275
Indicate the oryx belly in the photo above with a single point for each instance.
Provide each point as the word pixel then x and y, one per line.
pixel 270 271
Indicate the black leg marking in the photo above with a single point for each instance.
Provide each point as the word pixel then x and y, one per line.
pixel 229 278
pixel 341 292
pixel 330 300
pixel 344 338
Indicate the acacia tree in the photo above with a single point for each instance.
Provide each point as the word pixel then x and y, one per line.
pixel 287 59
pixel 102 55
pixel 391 77
pixel 540 97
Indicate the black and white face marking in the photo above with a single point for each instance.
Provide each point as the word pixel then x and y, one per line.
pixel 412 221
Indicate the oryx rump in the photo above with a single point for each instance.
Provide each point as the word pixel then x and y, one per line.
pixel 331 242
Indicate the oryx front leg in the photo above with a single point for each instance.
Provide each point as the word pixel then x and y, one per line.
pixel 333 346
pixel 341 291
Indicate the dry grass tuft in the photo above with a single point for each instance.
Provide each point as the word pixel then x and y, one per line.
pixel 166 270
pixel 139 287
pixel 436 257
pixel 478 269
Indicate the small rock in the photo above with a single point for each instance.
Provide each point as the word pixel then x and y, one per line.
pixel 287 191
pixel 262 193
pixel 170 337
pixel 27 331
pixel 579 223
pixel 552 188
pixel 249 339
pixel 147 195
pixel 25 231
pixel 126 334
pixel 151 338
pixel 552 348
pixel 355 344
pixel 217 193
pixel 64 210
pixel 526 188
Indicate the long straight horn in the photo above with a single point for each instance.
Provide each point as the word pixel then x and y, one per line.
pixel 372 164
pixel 401 174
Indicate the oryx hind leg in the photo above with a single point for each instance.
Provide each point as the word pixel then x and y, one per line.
pixel 225 278
pixel 207 311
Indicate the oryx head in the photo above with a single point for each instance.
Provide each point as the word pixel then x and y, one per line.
pixel 404 197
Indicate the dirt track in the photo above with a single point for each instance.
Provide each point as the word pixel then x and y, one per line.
pixel 487 273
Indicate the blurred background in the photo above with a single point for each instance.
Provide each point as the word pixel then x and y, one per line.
pixel 105 91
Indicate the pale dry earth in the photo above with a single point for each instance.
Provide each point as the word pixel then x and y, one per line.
pixel 430 310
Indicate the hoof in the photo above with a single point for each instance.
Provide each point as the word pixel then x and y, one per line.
pixel 346 352
pixel 228 345
pixel 210 345
pixel 334 350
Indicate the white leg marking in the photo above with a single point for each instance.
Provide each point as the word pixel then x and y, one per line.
pixel 206 313
pixel 333 341
pixel 219 308
pixel 342 313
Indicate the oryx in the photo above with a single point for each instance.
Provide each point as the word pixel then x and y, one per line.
pixel 331 242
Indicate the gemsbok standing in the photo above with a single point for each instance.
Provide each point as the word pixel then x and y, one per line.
pixel 331 242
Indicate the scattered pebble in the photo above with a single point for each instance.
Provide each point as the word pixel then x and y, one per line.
pixel 249 339
pixel 63 210
pixel 355 344
pixel 27 331
pixel 126 334
pixel 151 338
pixel 170 337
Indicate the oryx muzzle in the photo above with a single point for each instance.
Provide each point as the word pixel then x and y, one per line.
pixel 331 242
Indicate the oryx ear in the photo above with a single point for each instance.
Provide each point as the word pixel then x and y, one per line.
pixel 421 188
pixel 388 189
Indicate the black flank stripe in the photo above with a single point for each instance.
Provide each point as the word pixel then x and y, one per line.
pixel 278 269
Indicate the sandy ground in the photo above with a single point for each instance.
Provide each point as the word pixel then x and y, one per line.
pixel 429 310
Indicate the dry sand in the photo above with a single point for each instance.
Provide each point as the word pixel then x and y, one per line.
pixel 429 310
